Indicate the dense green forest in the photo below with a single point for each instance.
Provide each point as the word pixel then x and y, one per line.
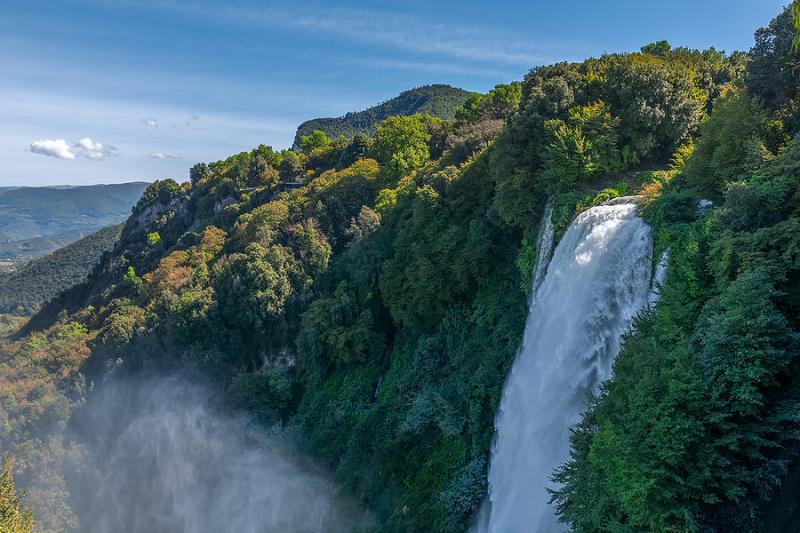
pixel 441 101
pixel 23 291
pixel 698 429
pixel 377 309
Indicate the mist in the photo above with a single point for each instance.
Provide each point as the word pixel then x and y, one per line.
pixel 160 456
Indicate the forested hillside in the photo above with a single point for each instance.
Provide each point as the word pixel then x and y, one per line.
pixel 375 310
pixel 439 101
pixel 23 291
pixel 698 430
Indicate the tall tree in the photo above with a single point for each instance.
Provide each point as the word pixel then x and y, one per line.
pixel 14 516
pixel 401 144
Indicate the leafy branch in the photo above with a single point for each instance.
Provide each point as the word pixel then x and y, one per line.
pixel 796 19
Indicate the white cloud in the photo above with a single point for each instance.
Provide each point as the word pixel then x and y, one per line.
pixel 160 155
pixel 86 147
pixel 150 122
pixel 26 111
pixel 52 147
pixel 94 150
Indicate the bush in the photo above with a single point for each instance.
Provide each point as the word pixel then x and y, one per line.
pixel 266 395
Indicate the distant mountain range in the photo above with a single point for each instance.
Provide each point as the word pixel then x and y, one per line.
pixel 436 100
pixel 38 220
pixel 23 291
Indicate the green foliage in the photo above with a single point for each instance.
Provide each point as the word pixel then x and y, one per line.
pixel 609 193
pixel 658 104
pixel 498 103
pixel 251 293
pixel 468 139
pixel 338 197
pixel 772 73
pixel 796 20
pixel 401 144
pixel 131 279
pixel 9 324
pixel 698 428
pixel 439 101
pixel 658 48
pixel 261 173
pixel 159 192
pixel 336 332
pixel 265 395
pixel 40 387
pixel 315 143
pixel 198 173
pixel 291 167
pixel 124 321
pixel 366 293
pixel 731 144
pixel 682 156
pixel 596 122
pixel 578 123
pixel 14 516
pixel 566 157
pixel 526 260
pixel 694 430
pixel 153 239
pixel 23 291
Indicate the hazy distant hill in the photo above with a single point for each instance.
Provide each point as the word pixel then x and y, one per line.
pixel 38 220
pixel 436 100
pixel 24 290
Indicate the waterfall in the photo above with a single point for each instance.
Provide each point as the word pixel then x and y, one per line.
pixel 596 283
pixel 545 249
pixel 659 278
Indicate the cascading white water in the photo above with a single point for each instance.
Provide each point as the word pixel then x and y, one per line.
pixel 596 283
pixel 659 278
pixel 545 249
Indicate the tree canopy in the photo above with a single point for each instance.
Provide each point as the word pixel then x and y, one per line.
pixel 370 293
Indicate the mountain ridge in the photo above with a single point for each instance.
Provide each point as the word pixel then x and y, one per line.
pixel 438 100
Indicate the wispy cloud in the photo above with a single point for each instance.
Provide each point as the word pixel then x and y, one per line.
pixel 57 148
pixel 424 66
pixel 186 123
pixel 160 155
pixel 400 31
pixel 150 122
pixel 404 32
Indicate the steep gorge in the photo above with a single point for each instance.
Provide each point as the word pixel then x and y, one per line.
pixel 376 309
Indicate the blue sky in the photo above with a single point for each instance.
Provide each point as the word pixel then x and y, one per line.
pixel 111 91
